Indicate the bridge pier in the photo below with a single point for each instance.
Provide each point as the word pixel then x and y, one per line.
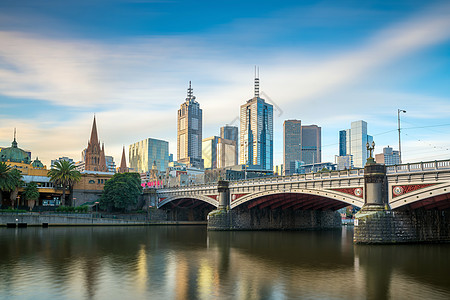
pixel 266 219
pixel 376 223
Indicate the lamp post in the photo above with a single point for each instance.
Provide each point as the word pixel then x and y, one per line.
pixel 399 143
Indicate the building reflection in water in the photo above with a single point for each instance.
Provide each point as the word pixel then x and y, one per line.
pixel 191 263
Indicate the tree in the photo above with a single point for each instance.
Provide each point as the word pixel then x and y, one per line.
pixel 16 182
pixel 9 181
pixel 31 194
pixel 121 191
pixel 64 173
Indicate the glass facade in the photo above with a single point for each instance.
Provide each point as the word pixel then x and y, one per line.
pixel 142 155
pixel 256 134
pixel 231 133
pixel 292 140
pixel 356 139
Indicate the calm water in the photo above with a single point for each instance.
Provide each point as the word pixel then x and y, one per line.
pixel 191 263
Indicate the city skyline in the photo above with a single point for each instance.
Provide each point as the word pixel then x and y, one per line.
pixel 324 64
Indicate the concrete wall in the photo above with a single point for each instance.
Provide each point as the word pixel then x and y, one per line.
pixel 266 219
pixel 386 226
pixel 72 219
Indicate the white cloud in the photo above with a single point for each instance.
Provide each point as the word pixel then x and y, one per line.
pixel 139 84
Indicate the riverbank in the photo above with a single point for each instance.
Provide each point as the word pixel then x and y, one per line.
pixel 36 219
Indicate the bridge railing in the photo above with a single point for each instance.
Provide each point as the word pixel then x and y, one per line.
pixel 419 167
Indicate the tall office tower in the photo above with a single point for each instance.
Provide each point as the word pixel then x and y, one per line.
pixel 231 133
pixel 209 152
pixel 355 140
pixel 342 143
pixel 94 156
pixel 292 141
pixel 226 153
pixel 311 144
pixel 189 132
pixel 359 139
pixel 218 152
pixel 143 154
pixel 389 157
pixel 256 141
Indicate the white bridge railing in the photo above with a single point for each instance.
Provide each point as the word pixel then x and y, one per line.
pixel 403 168
pixel 419 167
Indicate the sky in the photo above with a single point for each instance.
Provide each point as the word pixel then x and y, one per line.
pixel 129 62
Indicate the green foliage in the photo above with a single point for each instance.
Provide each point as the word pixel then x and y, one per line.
pixel 31 192
pixel 11 210
pixel 121 192
pixel 9 178
pixel 71 209
pixel 64 173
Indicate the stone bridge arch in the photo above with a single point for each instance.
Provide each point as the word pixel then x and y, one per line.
pixel 200 199
pixel 299 199
pixel 426 195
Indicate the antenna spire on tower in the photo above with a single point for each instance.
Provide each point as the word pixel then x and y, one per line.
pixel 189 94
pixel 256 82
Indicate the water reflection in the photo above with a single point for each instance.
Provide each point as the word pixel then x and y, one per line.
pixel 191 263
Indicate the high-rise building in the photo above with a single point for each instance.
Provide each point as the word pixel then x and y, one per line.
pixel 231 133
pixel 218 153
pixel 311 144
pixel 94 156
pixel 389 157
pixel 64 158
pixel 189 132
pixel 226 153
pixel 301 145
pixel 342 143
pixel 256 132
pixel 209 152
pixel 354 142
pixel 110 164
pixel 292 141
pixel 143 154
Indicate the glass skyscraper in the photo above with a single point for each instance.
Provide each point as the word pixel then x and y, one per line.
pixel 231 133
pixel 142 155
pixel 292 141
pixel 311 144
pixel 256 132
pixel 354 141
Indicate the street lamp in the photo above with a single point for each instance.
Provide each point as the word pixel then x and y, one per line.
pixel 399 143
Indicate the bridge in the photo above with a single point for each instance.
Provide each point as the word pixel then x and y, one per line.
pixel 408 192
pixel 424 184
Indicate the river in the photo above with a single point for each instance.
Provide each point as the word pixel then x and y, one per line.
pixel 188 262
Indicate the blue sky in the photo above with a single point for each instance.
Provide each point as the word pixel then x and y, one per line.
pixel 325 62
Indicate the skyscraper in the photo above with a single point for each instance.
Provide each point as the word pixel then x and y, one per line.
pixel 189 132
pixel 256 141
pixel 231 133
pixel 354 141
pixel 143 154
pixel 311 144
pixel 292 140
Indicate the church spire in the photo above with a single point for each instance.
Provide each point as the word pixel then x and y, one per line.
pixel 123 163
pixel 94 136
